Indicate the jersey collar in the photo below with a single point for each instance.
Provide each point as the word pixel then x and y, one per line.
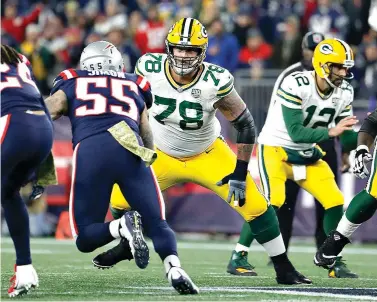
pixel 175 85
pixel 321 95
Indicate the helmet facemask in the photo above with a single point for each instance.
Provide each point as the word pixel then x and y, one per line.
pixel 333 79
pixel 184 65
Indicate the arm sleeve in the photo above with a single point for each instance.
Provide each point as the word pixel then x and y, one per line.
pixel 348 140
pixel 293 119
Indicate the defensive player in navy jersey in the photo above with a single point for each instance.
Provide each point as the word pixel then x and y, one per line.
pixel 113 143
pixel 26 140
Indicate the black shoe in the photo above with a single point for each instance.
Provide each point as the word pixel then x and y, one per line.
pixel 131 229
pixel 326 255
pixel 292 277
pixel 118 253
pixel 181 282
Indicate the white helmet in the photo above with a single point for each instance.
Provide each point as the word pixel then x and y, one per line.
pixel 101 55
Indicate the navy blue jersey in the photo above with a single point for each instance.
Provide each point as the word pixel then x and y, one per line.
pixel 97 100
pixel 18 89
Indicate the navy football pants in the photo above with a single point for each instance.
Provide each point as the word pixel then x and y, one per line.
pixel 26 140
pixel 98 162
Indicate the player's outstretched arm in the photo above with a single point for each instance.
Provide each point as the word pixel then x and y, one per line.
pixel 57 104
pixel 146 131
pixel 234 109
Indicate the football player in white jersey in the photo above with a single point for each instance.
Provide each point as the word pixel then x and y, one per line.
pixel 188 92
pixel 238 263
pixel 304 106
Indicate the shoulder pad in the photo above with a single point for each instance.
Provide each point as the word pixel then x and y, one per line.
pixel 218 78
pixel 143 83
pixel 290 92
pixel 226 83
pixel 65 75
pixel 68 74
pixel 150 63
pixel 145 88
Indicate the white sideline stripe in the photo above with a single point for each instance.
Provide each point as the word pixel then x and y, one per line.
pixel 139 290
pixel 206 246
pixel 283 291
pixel 33 251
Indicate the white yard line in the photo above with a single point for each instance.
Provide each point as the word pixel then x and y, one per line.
pixel 282 290
pixel 207 246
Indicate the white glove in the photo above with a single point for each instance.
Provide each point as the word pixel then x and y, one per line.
pixel 362 157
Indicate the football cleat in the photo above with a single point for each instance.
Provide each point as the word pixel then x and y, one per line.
pixel 118 253
pixel 131 229
pixel 25 278
pixel 291 277
pixel 239 266
pixel 327 254
pixel 340 270
pixel 181 281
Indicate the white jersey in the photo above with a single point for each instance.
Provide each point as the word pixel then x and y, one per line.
pixel 183 118
pixel 299 91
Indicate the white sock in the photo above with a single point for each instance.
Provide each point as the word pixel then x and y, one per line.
pixel 346 227
pixel 241 248
pixel 114 228
pixel 171 261
pixel 275 246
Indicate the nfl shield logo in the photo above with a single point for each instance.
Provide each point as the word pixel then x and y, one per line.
pixel 196 93
pixel 335 100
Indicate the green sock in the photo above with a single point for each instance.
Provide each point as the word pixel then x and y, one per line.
pixel 247 236
pixel 362 207
pixel 116 213
pixel 332 218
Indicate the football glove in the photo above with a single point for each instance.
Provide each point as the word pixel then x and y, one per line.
pixel 237 184
pixel 362 157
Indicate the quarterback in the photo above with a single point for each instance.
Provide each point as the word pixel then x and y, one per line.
pixel 188 92
pixel 304 106
pixel 363 205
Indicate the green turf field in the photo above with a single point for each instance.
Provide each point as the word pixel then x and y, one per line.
pixel 66 274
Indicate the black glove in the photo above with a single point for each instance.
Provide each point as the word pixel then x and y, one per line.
pixel 237 183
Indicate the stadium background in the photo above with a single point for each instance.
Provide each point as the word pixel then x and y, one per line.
pixel 254 39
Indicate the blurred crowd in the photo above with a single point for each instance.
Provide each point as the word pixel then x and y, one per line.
pixel 249 34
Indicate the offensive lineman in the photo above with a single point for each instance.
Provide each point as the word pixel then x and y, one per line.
pixel 188 93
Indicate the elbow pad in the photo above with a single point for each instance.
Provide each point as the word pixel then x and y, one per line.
pixel 244 124
pixel 370 125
